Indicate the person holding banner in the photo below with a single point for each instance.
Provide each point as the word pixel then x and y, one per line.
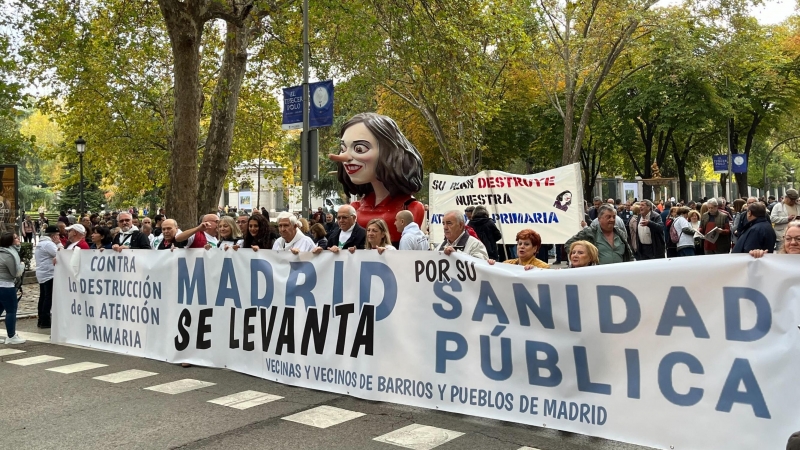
pixel 456 237
pixel 612 246
pixel 791 240
pixel 377 161
pixel 377 237
pixel 349 234
pixel 528 243
pixel 258 233
pixel 292 238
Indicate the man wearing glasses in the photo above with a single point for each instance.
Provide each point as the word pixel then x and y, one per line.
pixel 129 236
pixel 349 234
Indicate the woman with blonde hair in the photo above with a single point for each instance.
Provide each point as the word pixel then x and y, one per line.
pixel 378 237
pixel 583 254
pixel 305 228
pixel 791 242
pixel 229 234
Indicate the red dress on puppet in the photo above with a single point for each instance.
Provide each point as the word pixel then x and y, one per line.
pixel 366 210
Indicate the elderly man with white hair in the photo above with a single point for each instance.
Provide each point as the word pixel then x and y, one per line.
pixel 129 235
pixel 291 238
pixel 349 234
pixel 456 237
pixel 717 219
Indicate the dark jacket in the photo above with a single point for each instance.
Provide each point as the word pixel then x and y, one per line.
pixel 330 228
pixel 138 240
pixel 488 234
pixel 664 216
pixel 756 234
pixel 357 238
pixel 588 234
pixel 656 227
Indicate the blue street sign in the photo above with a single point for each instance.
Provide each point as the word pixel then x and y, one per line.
pixel 739 163
pixel 320 113
pixel 720 163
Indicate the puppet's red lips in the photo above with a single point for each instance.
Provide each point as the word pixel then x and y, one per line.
pixel 352 168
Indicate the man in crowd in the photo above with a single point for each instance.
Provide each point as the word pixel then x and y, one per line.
pixel 456 237
pixel 783 213
pixel 651 241
pixel 157 225
pixel 45 254
pixel 330 225
pixel 291 238
pixel 62 233
pixel 624 212
pixel 593 210
pixel 411 237
pixel 757 233
pixel 241 221
pixel 129 236
pixel 349 234
pixel 468 212
pixel 715 218
pixel 71 216
pixel 199 236
pixel 76 234
pixel 611 243
pixel 771 203
pixel 166 240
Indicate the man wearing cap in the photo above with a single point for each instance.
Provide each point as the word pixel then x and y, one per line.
pixel 45 254
pixel 782 214
pixel 76 235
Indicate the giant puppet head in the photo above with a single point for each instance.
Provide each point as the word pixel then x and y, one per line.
pixel 375 156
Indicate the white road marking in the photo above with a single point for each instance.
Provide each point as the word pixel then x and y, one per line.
pixel 125 375
pixel 323 416
pixel 36 337
pixel 34 360
pixel 246 399
pixel 419 437
pixel 77 367
pixel 180 386
pixel 10 351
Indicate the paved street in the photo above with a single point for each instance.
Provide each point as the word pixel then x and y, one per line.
pixel 64 397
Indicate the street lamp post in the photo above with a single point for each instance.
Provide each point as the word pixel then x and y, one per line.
pixel 80 144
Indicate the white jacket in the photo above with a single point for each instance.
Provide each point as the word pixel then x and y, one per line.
pixel 473 247
pixel 413 238
pixel 780 218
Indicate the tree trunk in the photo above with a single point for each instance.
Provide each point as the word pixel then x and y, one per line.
pixel 741 178
pixel 185 34
pixel 223 115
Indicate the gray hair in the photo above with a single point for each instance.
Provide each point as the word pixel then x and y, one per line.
pixel 287 215
pixel 649 204
pixel 606 207
pixel 712 202
pixel 459 216
pixel 350 210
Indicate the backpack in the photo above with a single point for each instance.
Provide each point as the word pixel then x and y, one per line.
pixel 674 236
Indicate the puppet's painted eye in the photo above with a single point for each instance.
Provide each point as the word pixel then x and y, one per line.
pixel 360 149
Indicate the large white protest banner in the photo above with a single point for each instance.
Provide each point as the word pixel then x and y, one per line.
pixel 706 357
pixel 551 202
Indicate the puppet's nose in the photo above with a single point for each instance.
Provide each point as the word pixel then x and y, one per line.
pixel 340 157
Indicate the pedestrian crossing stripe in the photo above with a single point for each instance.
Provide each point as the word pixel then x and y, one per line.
pixel 37 337
pixel 419 437
pixel 34 360
pixel 180 386
pixel 125 375
pixel 77 367
pixel 245 399
pixel 10 351
pixel 323 416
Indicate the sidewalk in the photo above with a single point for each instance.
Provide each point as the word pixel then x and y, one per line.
pixel 28 306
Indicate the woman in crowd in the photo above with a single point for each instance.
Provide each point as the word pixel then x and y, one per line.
pixel 11 267
pixel 738 219
pixel 486 230
pixel 305 228
pixel 583 254
pixel 685 245
pixel 28 228
pixel 694 222
pixel 528 243
pixel 632 227
pixel 378 237
pixel 318 235
pixel 101 238
pixel 229 234
pixel 791 242
pixel 258 233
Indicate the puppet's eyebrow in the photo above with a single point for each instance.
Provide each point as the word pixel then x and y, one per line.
pixel 362 142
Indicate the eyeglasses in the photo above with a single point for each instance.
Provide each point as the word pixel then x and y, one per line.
pixel 123 220
pixel 343 217
pixel 795 239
